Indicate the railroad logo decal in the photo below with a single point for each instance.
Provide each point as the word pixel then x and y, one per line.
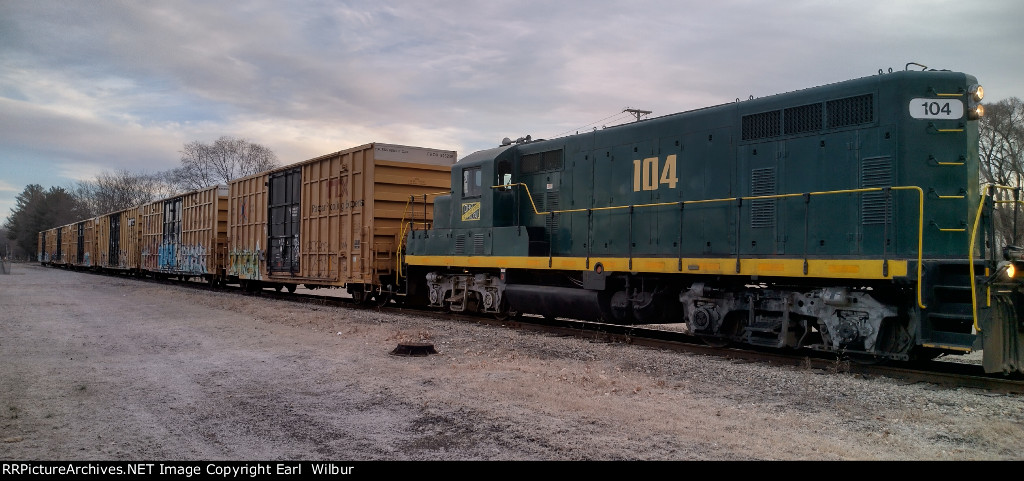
pixel 471 211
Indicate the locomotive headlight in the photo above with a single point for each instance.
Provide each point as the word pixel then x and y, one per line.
pixel 975 110
pixel 1011 270
pixel 977 92
pixel 1016 270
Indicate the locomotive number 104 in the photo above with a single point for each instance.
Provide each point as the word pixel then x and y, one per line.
pixel 646 177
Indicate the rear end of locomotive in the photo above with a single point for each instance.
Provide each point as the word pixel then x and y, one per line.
pixel 845 218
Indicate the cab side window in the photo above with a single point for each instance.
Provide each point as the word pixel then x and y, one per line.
pixel 472 182
pixel 505 175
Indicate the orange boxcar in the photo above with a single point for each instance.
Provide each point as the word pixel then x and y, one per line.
pixel 117 240
pixel 334 220
pixel 186 236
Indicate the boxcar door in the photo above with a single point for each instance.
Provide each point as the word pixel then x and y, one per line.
pixel 284 210
pixel 114 246
pixel 167 258
pixel 81 243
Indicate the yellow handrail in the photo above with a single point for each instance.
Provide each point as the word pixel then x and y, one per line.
pixel 920 239
pixel 970 253
pixel 920 215
pixel 402 231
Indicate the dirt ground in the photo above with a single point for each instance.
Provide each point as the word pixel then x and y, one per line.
pixel 102 368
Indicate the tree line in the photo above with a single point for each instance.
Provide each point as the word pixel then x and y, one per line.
pixel 1000 145
pixel 202 165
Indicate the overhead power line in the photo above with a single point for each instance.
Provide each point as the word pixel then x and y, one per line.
pixel 611 120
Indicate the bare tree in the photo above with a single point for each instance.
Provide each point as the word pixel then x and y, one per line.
pixel 112 192
pixel 204 165
pixel 1001 152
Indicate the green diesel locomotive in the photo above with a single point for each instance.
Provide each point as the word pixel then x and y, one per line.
pixel 845 218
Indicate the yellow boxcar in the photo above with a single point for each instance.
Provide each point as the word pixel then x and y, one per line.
pixel 186 236
pixel 117 240
pixel 51 246
pixel 40 246
pixel 104 238
pixel 76 244
pixel 83 244
pixel 334 220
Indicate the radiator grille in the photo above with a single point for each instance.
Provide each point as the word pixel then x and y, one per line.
pixel 762 211
pixel 762 125
pixel 551 204
pixel 478 244
pixel 806 118
pixel 875 172
pixel 850 111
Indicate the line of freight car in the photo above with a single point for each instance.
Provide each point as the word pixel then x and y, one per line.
pixel 332 221
pixel 183 236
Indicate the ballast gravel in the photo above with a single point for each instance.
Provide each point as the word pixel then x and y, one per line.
pixel 113 368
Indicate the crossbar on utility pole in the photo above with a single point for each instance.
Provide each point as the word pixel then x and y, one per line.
pixel 638 113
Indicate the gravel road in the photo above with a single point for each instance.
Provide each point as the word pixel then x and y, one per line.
pixel 107 368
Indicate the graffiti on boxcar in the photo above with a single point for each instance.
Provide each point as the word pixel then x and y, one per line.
pixel 167 257
pixel 149 256
pixel 177 258
pixel 192 259
pixel 242 215
pixel 245 263
pixel 337 187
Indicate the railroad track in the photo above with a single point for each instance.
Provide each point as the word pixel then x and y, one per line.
pixel 951 375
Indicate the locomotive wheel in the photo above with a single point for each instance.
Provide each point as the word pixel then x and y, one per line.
pixel 893 338
pixel 291 288
pixel 729 329
pixel 505 313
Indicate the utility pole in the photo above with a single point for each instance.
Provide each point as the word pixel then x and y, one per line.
pixel 638 113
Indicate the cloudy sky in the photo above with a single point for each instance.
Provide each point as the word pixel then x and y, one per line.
pixel 88 86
